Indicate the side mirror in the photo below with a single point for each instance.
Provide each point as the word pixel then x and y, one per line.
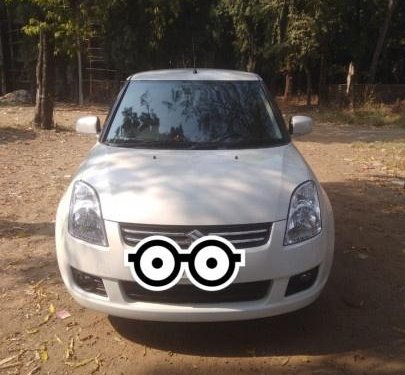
pixel 300 125
pixel 88 125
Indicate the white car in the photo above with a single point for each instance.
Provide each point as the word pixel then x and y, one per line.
pixel 185 154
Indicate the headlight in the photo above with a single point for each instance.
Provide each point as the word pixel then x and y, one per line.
pixel 304 216
pixel 85 220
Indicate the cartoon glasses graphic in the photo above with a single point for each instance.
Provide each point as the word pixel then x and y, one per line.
pixel 158 263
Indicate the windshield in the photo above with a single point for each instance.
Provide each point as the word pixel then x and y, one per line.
pixel 194 114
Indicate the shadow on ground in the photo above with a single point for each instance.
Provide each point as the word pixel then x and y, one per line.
pixel 29 254
pixel 351 314
pixel 9 228
pixel 10 134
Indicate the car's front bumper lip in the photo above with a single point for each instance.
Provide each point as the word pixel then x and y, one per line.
pixel 117 306
pixel 272 262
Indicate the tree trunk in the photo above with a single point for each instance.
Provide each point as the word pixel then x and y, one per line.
pixel 288 84
pixel 309 82
pixel 80 76
pixel 380 41
pixel 323 90
pixel 39 71
pixel 45 71
pixel 251 63
pixel 349 77
pixel 3 73
pixel 5 56
pixel 350 90
pixel 74 5
pixel 283 21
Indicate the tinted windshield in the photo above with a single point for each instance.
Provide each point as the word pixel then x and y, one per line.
pixel 195 114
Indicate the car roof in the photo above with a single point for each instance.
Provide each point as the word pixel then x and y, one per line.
pixel 190 75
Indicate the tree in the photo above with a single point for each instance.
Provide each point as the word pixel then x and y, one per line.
pixel 312 41
pixel 43 25
pixel 380 41
pixel 5 58
pixel 302 43
pixel 60 27
pixel 153 34
pixel 247 19
pixel 45 72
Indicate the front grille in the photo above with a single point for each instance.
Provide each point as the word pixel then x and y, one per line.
pixel 242 236
pixel 188 293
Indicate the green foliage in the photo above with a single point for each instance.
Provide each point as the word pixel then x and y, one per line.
pixel 146 34
pixel 369 114
pixel 302 38
pixel 247 17
pixel 69 21
pixel 266 36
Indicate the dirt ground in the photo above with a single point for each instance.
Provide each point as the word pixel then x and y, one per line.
pixel 357 326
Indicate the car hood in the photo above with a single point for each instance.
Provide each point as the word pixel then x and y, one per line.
pixel 194 187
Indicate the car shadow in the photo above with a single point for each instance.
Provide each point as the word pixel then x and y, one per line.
pixel 259 337
pixel 357 310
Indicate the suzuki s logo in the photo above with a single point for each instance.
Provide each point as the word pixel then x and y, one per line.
pixel 195 234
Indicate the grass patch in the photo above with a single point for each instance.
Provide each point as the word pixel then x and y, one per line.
pixel 61 128
pixel 368 114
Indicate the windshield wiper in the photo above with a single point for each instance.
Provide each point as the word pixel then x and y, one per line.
pixel 132 143
pixel 229 135
pixel 256 143
pixel 212 145
pixel 206 145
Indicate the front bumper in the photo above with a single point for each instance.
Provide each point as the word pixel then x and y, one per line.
pixel 272 261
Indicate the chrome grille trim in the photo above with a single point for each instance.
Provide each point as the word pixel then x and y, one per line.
pixel 236 233
pixel 151 233
pixel 241 235
pixel 247 240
